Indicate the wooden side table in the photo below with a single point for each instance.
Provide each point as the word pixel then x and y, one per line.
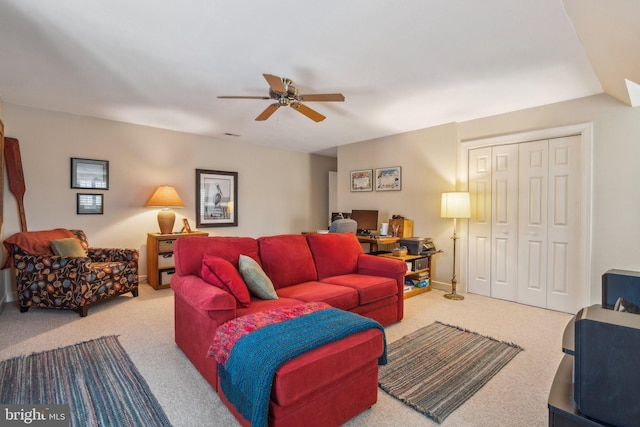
pixel 160 264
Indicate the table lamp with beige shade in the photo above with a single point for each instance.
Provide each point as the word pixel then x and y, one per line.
pixel 165 197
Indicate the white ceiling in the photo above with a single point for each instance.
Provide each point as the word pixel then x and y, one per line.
pixel 402 65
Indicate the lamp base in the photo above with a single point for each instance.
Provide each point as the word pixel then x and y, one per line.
pixel 454 297
pixel 166 219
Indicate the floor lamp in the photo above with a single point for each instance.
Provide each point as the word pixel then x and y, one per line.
pixel 455 205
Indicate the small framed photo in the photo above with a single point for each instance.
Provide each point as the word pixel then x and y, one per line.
pixel 90 204
pixel 362 180
pixel 186 228
pixel 389 179
pixel 91 174
pixel 216 198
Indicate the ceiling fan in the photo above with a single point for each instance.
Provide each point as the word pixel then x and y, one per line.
pixel 285 93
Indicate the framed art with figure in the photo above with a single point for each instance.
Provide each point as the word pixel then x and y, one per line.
pixel 216 198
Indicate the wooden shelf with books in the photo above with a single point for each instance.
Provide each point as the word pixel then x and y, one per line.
pixel 418 276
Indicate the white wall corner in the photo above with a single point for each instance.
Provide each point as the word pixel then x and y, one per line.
pixel 633 89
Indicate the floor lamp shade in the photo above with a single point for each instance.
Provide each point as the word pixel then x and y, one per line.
pixel 165 197
pixel 455 205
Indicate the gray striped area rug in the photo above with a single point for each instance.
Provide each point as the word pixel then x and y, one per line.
pixel 96 378
pixel 437 368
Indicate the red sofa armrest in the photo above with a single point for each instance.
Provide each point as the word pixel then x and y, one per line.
pixel 380 266
pixel 203 296
pixel 396 269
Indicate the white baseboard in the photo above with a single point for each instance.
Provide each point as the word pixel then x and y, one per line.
pixel 441 286
pixel 12 296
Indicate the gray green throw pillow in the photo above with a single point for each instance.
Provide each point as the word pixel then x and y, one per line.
pixel 256 279
pixel 69 247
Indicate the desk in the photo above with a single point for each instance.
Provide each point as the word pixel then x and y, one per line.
pixel 374 242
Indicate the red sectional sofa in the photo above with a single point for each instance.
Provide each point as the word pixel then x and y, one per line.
pixel 330 268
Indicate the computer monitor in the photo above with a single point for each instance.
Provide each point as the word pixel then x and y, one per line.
pixel 367 220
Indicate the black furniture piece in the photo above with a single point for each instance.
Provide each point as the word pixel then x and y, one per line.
pixel 598 380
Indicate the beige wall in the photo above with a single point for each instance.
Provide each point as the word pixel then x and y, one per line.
pixel 279 191
pixel 428 158
pixel 428 161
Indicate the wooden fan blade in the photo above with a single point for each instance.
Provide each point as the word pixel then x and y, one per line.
pixel 275 83
pixel 268 112
pixel 244 97
pixel 337 97
pixel 303 109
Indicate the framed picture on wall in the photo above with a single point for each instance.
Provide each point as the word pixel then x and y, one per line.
pixel 362 180
pixel 87 173
pixel 89 204
pixel 389 179
pixel 216 198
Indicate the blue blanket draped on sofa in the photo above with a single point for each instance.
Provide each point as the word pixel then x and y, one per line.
pixel 247 377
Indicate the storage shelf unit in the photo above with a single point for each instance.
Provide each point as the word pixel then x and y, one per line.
pixel 420 268
pixel 160 264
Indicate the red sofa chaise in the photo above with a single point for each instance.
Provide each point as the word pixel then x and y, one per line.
pixel 332 383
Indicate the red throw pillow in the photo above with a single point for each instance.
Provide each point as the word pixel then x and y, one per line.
pixel 221 273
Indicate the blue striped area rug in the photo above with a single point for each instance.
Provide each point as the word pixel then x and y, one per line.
pixel 437 368
pixel 96 378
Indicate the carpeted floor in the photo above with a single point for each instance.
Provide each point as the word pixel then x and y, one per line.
pixel 516 396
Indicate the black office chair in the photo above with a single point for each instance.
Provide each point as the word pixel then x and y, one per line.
pixel 343 226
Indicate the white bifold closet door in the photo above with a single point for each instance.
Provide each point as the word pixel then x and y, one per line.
pixel 524 234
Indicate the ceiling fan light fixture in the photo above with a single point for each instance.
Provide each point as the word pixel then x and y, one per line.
pixel 285 93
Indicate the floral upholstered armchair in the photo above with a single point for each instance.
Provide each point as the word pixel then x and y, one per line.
pixel 77 277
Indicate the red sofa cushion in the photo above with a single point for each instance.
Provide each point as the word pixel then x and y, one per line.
pixel 325 386
pixel 287 259
pixel 334 253
pixel 369 288
pixel 221 273
pixel 341 297
pixel 324 367
pixel 188 251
